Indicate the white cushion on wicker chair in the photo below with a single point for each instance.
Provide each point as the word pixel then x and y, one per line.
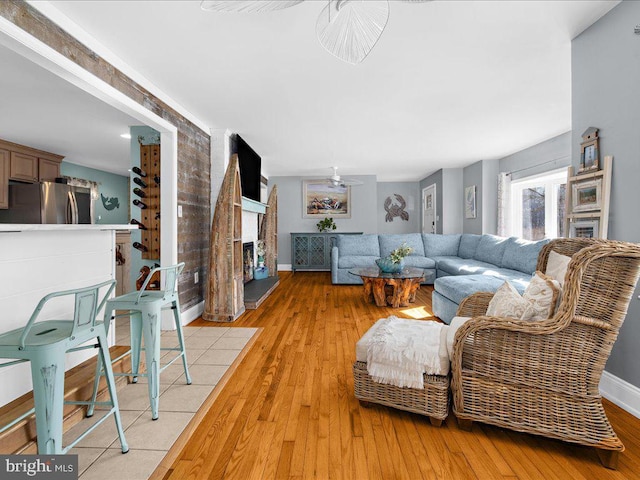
pixel 542 292
pixel 557 266
pixel 507 302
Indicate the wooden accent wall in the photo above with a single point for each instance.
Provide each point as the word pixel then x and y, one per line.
pixel 193 144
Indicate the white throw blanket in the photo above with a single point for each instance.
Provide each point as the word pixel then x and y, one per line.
pixel 401 351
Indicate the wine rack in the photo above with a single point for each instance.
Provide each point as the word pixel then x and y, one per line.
pixel 150 208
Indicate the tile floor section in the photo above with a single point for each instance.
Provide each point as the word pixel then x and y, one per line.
pixel 210 352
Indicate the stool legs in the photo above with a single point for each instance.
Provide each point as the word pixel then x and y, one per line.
pixel 47 373
pixel 151 324
pixel 111 384
pixel 176 316
pixel 135 328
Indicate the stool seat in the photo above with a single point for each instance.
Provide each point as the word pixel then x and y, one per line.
pixel 144 308
pixel 44 344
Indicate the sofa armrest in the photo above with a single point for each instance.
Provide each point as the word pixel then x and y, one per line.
pixel 334 264
pixel 474 305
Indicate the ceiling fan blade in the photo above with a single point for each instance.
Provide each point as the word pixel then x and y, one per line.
pixel 247 6
pixel 351 182
pixel 350 29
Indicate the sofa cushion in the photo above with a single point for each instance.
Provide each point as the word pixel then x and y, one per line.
pixel 468 245
pixel 491 249
pixel 522 255
pixel 436 245
pixel 464 266
pixel 358 245
pixel 354 261
pixel 419 262
pixel 388 243
pixel 456 288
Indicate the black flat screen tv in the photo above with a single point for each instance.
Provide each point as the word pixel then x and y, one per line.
pixel 250 169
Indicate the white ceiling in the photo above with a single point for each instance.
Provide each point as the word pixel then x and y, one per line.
pixel 449 82
pixel 41 110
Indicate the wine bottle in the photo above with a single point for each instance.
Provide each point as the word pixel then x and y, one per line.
pixel 139 171
pixel 140 204
pixel 139 192
pixel 140 247
pixel 139 224
pixel 156 179
pixel 140 182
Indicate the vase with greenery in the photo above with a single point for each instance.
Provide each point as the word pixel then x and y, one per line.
pixel 326 225
pixel 394 263
pixel 260 250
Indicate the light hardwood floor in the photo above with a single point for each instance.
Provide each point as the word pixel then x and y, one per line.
pixel 288 411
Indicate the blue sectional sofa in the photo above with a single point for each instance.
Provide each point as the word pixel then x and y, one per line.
pixel 458 265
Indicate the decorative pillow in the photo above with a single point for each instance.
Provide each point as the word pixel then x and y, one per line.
pixel 507 302
pixel 557 266
pixel 542 293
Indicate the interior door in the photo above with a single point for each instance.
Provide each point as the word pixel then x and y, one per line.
pixel 429 209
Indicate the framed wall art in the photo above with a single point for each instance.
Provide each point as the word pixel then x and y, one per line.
pixel 320 199
pixel 470 202
pixel 589 151
pixel 585 229
pixel 587 196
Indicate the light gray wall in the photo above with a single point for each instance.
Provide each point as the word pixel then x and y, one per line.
pixel 605 94
pixel 435 178
pixel 364 213
pixel 490 170
pixel 412 194
pixel 452 200
pixel 472 175
pixel 545 156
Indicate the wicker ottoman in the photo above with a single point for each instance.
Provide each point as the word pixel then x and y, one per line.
pixel 432 400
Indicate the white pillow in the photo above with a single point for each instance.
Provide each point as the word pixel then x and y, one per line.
pixel 507 302
pixel 542 293
pixel 452 328
pixel 557 266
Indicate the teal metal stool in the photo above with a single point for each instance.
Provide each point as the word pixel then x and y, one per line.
pixel 145 309
pixel 45 344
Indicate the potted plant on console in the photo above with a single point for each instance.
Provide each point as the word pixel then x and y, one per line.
pixel 326 225
pixel 394 263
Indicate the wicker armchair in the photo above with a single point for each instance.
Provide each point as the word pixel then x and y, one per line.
pixel 542 377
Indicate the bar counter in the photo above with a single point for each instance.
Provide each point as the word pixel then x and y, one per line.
pixel 39 259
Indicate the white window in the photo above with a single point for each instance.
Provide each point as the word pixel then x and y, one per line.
pixel 538 205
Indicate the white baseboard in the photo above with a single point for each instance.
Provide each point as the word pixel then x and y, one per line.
pixel 186 316
pixel 623 394
pixel 284 267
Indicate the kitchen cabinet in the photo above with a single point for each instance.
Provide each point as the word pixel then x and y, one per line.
pixel 23 167
pixel 48 170
pixel 4 178
pixel 25 164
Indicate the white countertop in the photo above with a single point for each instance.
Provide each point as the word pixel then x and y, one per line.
pixel 22 227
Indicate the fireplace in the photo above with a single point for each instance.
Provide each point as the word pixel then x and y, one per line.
pixel 247 261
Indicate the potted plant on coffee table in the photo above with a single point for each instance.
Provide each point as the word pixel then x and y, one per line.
pixel 394 263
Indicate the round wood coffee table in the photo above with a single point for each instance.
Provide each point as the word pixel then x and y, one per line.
pixel 390 289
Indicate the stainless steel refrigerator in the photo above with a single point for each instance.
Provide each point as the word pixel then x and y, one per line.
pixel 48 202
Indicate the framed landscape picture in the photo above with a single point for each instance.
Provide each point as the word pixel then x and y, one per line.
pixel 587 196
pixel 321 199
pixel 584 229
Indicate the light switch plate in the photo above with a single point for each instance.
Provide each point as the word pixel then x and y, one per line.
pixel 179 211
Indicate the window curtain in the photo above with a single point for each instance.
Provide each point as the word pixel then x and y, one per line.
pixel 504 204
pixel 81 182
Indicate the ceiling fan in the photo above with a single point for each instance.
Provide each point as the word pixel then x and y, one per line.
pixel 348 29
pixel 336 181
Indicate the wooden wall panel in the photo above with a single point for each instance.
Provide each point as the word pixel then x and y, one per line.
pixel 193 144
